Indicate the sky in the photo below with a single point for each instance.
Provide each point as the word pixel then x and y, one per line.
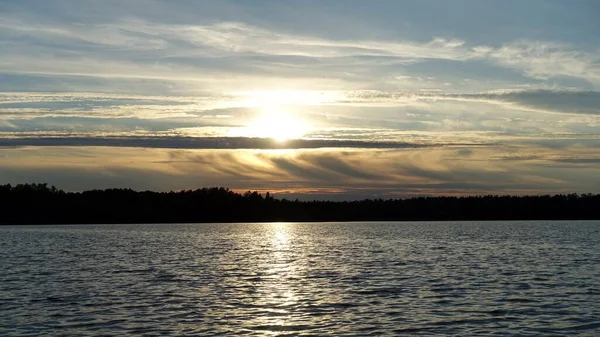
pixel 335 99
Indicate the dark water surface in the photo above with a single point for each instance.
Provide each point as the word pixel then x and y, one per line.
pixel 345 279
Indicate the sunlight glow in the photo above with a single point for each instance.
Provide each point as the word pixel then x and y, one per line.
pixel 274 122
pixel 277 124
pixel 278 119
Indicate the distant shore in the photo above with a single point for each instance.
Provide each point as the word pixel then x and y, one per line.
pixel 41 204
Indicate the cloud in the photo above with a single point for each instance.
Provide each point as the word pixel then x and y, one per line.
pixel 226 38
pixel 98 105
pixel 578 160
pixel 562 101
pixel 354 172
pixel 542 100
pixel 544 60
pixel 178 142
pixel 385 118
pixel 220 53
pixel 221 105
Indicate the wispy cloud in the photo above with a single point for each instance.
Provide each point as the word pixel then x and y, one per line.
pixel 560 101
pixel 544 60
pixel 397 172
pixel 382 116
pixel 143 49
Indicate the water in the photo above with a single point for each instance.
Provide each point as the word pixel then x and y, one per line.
pixel 350 279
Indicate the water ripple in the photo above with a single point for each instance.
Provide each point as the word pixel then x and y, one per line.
pixel 287 279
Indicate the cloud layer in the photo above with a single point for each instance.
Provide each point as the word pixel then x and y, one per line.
pixel 353 173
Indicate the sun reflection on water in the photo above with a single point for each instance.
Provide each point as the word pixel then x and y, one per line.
pixel 280 235
pixel 278 290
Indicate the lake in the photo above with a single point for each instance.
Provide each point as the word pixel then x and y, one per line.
pixel 302 279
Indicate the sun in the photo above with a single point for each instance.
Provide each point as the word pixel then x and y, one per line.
pixel 278 124
pixel 278 113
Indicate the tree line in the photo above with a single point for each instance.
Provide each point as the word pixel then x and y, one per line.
pixel 42 204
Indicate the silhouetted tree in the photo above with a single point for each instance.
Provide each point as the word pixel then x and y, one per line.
pixel 41 204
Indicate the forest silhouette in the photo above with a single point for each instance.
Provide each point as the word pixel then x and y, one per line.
pixel 41 204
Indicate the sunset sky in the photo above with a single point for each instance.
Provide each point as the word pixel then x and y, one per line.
pixel 336 99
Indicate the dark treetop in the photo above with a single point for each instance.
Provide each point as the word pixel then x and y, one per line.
pixel 40 204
